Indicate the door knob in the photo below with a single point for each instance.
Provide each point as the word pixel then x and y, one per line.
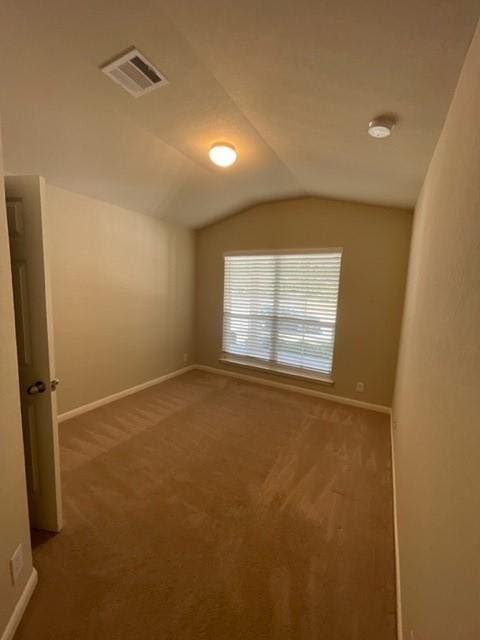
pixel 54 384
pixel 38 387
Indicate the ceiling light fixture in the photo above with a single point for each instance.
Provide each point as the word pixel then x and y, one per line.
pixel 223 154
pixel 381 127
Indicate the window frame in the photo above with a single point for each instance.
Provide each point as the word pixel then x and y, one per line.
pixel 268 366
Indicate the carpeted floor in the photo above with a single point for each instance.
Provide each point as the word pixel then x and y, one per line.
pixel 207 508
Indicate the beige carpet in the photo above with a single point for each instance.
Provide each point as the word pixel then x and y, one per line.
pixel 209 508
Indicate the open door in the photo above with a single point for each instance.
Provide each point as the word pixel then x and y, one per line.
pixel 33 319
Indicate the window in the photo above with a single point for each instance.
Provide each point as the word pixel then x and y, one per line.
pixel 280 310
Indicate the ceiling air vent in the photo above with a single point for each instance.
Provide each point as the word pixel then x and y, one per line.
pixel 134 73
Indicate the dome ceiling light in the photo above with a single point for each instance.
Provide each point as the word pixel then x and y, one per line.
pixel 223 154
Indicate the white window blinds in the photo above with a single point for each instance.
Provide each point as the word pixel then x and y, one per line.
pixel 281 308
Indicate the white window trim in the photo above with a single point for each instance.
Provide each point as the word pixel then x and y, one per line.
pixel 263 252
pixel 257 364
pixel 278 369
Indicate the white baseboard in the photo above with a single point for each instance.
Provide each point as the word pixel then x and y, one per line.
pixel 224 372
pixel 296 388
pixel 20 606
pixel 397 548
pixel 121 394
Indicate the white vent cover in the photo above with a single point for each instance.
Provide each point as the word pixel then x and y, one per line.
pixel 134 73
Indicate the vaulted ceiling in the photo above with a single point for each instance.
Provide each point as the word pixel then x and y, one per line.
pixel 291 83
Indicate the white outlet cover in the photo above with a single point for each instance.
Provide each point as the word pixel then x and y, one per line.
pixel 360 387
pixel 16 564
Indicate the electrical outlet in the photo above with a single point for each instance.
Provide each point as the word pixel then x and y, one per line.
pixel 185 357
pixel 16 564
pixel 359 388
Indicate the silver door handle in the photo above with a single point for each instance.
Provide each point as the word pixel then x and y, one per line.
pixel 54 384
pixel 38 387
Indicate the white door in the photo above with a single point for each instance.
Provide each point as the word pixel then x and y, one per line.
pixel 33 319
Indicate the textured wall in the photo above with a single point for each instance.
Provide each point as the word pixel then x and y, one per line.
pixel 437 396
pixel 122 287
pixel 14 526
pixel 375 243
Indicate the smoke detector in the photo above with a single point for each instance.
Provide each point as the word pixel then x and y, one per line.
pixel 381 127
pixel 135 73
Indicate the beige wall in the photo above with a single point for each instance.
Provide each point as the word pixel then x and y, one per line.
pixel 122 287
pixel 437 397
pixel 376 244
pixel 14 527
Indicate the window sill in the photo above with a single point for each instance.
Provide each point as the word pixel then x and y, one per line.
pixel 247 363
